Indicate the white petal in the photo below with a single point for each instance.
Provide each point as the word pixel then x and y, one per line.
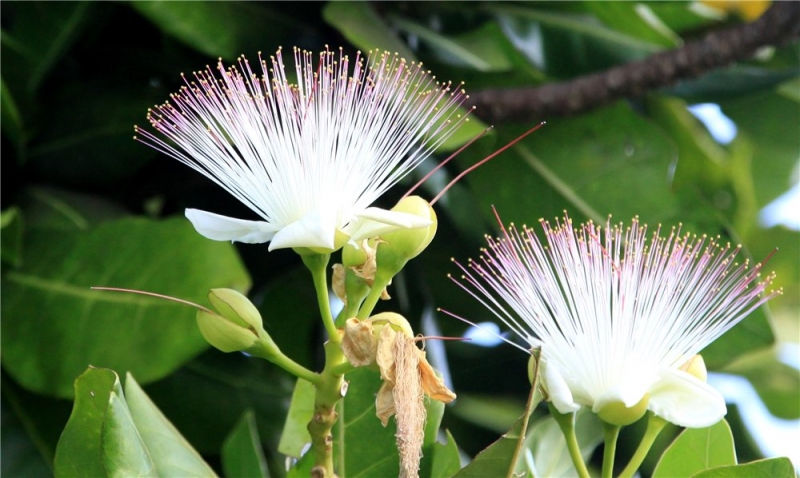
pixel 224 228
pixel 684 400
pixel 629 392
pixel 315 229
pixel 374 221
pixel 557 389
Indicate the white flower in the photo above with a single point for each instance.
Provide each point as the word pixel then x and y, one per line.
pixel 616 315
pixel 308 158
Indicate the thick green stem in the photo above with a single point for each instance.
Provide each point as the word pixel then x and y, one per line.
pixel 566 421
pixel 317 264
pixel 330 388
pixel 268 350
pixel 654 426
pixel 611 433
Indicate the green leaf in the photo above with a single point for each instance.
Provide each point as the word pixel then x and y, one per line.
pixel 11 120
pixel 732 82
pixel 50 310
pixel 242 454
pixel 361 26
pixel 224 29
pixel 295 436
pixel 778 389
pixel 446 460
pixel 772 468
pixel 635 19
pixel 170 452
pixel 124 453
pixel 567 44
pixel 39 36
pixel 442 44
pixel 78 452
pixel 696 450
pixel 11 237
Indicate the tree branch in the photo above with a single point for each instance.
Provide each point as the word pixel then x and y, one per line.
pixel 777 26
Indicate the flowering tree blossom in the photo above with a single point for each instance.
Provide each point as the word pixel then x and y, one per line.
pixel 618 318
pixel 308 158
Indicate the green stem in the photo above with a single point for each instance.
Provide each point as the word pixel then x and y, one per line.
pixel 611 433
pixel 374 295
pixel 654 426
pixel 317 264
pixel 528 410
pixel 566 421
pixel 329 391
pixel 268 350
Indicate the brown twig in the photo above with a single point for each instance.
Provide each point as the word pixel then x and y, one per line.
pixel 778 25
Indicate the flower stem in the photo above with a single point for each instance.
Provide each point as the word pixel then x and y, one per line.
pixel 267 350
pixel 317 264
pixel 375 292
pixel 528 410
pixel 654 426
pixel 566 421
pixel 611 433
pixel 330 388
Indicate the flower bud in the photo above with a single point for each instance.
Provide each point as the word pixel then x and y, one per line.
pixel 393 319
pixel 403 245
pixel 224 334
pixel 235 307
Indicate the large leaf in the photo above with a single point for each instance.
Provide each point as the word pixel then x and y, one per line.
pixel 548 449
pixel 697 449
pixel 242 454
pixel 108 436
pixel 446 459
pixel 295 437
pixel 778 389
pixel 49 310
pixel 224 29
pixel 773 468
pixel 170 452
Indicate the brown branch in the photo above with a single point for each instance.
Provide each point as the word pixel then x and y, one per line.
pixel 777 26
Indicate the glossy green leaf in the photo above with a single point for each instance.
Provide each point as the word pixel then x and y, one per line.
pixel 78 452
pixel 361 26
pixel 11 238
pixel 50 307
pixel 224 30
pixel 731 82
pixel 242 454
pixel 772 468
pixel 446 459
pixel 123 451
pixel 170 452
pixel 635 19
pixel 569 44
pixel 295 436
pixel 696 450
pixel 442 44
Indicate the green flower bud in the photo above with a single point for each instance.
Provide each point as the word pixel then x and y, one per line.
pixel 235 307
pixel 225 334
pixel 402 245
pixel 616 413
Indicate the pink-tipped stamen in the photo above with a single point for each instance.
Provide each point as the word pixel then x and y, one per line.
pixel 153 294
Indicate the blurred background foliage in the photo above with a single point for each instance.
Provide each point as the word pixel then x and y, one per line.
pixel 84 205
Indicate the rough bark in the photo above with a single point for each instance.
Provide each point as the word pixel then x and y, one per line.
pixel 778 25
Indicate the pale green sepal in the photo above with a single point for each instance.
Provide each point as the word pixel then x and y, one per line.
pixel 224 334
pixel 223 228
pixel 236 307
pixel 686 401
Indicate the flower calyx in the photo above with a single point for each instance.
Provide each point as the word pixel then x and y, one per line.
pixel 401 245
pixel 236 325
